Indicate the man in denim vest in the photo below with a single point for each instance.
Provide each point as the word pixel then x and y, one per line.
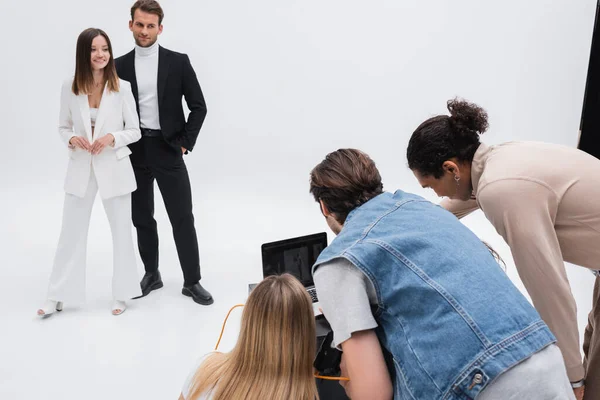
pixel 406 276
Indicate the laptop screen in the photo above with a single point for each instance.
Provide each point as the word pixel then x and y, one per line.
pixel 295 256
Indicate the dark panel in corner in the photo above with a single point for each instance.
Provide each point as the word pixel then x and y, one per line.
pixel 590 119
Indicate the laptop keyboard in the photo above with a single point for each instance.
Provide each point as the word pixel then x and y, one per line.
pixel 313 294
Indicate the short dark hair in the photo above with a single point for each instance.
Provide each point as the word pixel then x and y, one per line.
pixel 444 137
pixel 83 83
pixel 345 180
pixel 149 6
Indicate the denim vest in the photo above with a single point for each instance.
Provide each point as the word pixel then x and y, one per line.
pixel 448 314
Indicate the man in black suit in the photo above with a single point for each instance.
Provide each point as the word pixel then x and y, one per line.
pixel 159 78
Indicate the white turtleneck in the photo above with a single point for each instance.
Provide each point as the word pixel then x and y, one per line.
pixel 146 73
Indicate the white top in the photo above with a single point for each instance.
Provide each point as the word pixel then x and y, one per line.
pixel 146 73
pixel 187 386
pixel 93 115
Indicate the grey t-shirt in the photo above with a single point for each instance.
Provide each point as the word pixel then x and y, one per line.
pixel 189 382
pixel 345 295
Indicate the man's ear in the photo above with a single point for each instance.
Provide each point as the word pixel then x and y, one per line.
pixel 324 209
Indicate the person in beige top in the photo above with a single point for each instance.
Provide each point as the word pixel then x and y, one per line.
pixel 541 198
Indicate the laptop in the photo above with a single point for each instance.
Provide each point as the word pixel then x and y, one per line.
pixel 295 256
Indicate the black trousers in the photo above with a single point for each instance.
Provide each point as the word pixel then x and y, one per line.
pixel 153 158
pixel 591 348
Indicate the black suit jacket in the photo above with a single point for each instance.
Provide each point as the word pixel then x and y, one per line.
pixel 176 78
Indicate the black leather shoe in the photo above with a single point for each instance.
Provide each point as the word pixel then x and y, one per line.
pixel 151 281
pixel 198 293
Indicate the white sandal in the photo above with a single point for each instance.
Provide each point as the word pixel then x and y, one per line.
pixel 49 307
pixel 118 307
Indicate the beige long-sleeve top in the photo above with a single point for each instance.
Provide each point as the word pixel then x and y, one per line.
pixel 544 200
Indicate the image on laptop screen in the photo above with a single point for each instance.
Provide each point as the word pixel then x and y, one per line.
pixel 295 256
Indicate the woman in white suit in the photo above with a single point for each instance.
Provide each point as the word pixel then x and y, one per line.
pixel 98 120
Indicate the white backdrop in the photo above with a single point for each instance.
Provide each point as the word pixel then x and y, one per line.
pixel 285 83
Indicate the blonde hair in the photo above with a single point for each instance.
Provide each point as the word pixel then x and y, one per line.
pixel 275 350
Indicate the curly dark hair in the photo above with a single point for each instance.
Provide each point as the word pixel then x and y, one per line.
pixel 345 180
pixel 444 137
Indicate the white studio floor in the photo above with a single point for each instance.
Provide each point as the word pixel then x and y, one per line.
pixel 147 352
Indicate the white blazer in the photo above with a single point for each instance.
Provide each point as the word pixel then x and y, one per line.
pixel 116 115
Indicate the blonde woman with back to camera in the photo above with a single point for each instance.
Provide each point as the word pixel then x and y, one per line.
pixel 270 360
pixel 97 121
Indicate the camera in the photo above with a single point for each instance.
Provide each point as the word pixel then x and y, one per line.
pixel 328 359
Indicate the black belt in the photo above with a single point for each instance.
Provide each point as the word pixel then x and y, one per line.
pixel 151 132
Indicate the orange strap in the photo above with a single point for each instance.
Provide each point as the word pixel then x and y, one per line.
pixel 327 378
pixel 332 378
pixel 225 322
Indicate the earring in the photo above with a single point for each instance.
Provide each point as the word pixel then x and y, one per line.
pixel 457 179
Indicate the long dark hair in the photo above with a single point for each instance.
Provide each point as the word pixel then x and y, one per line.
pixel 344 180
pixel 84 79
pixel 444 137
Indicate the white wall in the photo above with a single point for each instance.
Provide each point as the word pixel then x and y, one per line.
pixel 306 77
pixel 285 83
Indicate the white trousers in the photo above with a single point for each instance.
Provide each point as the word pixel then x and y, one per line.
pixel 67 281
